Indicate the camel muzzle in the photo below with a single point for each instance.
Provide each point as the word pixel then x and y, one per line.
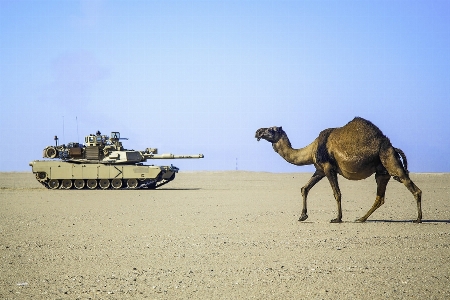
pixel 259 134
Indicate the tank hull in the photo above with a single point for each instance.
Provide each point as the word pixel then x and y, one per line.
pixel 66 175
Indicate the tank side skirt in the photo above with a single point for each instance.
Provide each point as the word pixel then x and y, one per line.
pixel 118 174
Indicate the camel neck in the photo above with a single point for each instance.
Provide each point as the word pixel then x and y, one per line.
pixel 299 157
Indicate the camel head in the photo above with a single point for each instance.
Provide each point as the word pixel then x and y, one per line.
pixel 271 134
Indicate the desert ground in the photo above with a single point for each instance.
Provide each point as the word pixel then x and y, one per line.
pixel 223 235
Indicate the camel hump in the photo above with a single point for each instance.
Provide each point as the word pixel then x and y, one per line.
pixel 359 137
pixel 359 123
pixel 360 132
pixel 354 143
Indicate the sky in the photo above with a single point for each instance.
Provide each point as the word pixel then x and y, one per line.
pixel 191 76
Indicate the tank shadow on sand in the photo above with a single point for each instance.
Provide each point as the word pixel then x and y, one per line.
pixel 178 189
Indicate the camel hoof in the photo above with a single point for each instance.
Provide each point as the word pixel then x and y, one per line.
pixel 336 221
pixel 417 221
pixel 303 217
pixel 360 220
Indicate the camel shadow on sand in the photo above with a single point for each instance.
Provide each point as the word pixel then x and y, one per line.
pixel 406 221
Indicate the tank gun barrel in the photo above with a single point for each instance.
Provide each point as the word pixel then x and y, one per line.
pixel 170 156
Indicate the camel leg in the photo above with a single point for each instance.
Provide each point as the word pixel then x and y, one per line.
pixel 305 190
pixel 393 166
pixel 417 193
pixel 332 178
pixel 382 181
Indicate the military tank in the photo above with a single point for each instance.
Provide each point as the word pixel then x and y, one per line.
pixel 102 163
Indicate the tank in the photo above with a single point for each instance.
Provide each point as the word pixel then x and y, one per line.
pixel 102 163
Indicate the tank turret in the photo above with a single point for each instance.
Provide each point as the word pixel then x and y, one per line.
pixel 102 162
pixel 102 149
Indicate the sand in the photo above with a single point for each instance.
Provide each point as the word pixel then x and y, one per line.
pixel 223 235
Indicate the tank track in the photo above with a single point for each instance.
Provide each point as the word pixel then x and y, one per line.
pixel 150 185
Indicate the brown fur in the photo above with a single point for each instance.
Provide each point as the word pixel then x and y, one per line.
pixel 354 151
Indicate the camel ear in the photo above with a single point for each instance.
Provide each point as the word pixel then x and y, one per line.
pixel 280 128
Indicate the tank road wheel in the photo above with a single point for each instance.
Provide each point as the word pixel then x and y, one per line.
pixel 66 184
pixel 79 184
pixel 132 183
pixel 41 176
pixel 53 184
pixel 103 183
pixel 91 183
pixel 116 183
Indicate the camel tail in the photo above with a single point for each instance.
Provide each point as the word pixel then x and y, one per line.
pixel 402 155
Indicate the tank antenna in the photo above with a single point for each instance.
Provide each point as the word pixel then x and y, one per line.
pixel 76 119
pixel 63 131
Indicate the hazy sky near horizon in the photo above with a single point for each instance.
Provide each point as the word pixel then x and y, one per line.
pixel 202 76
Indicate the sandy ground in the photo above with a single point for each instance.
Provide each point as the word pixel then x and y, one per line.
pixel 223 235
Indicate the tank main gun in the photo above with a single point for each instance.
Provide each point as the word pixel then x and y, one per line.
pixel 105 149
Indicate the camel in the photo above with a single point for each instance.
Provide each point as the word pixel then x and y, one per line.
pixel 354 151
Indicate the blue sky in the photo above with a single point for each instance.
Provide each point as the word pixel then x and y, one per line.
pixel 202 76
